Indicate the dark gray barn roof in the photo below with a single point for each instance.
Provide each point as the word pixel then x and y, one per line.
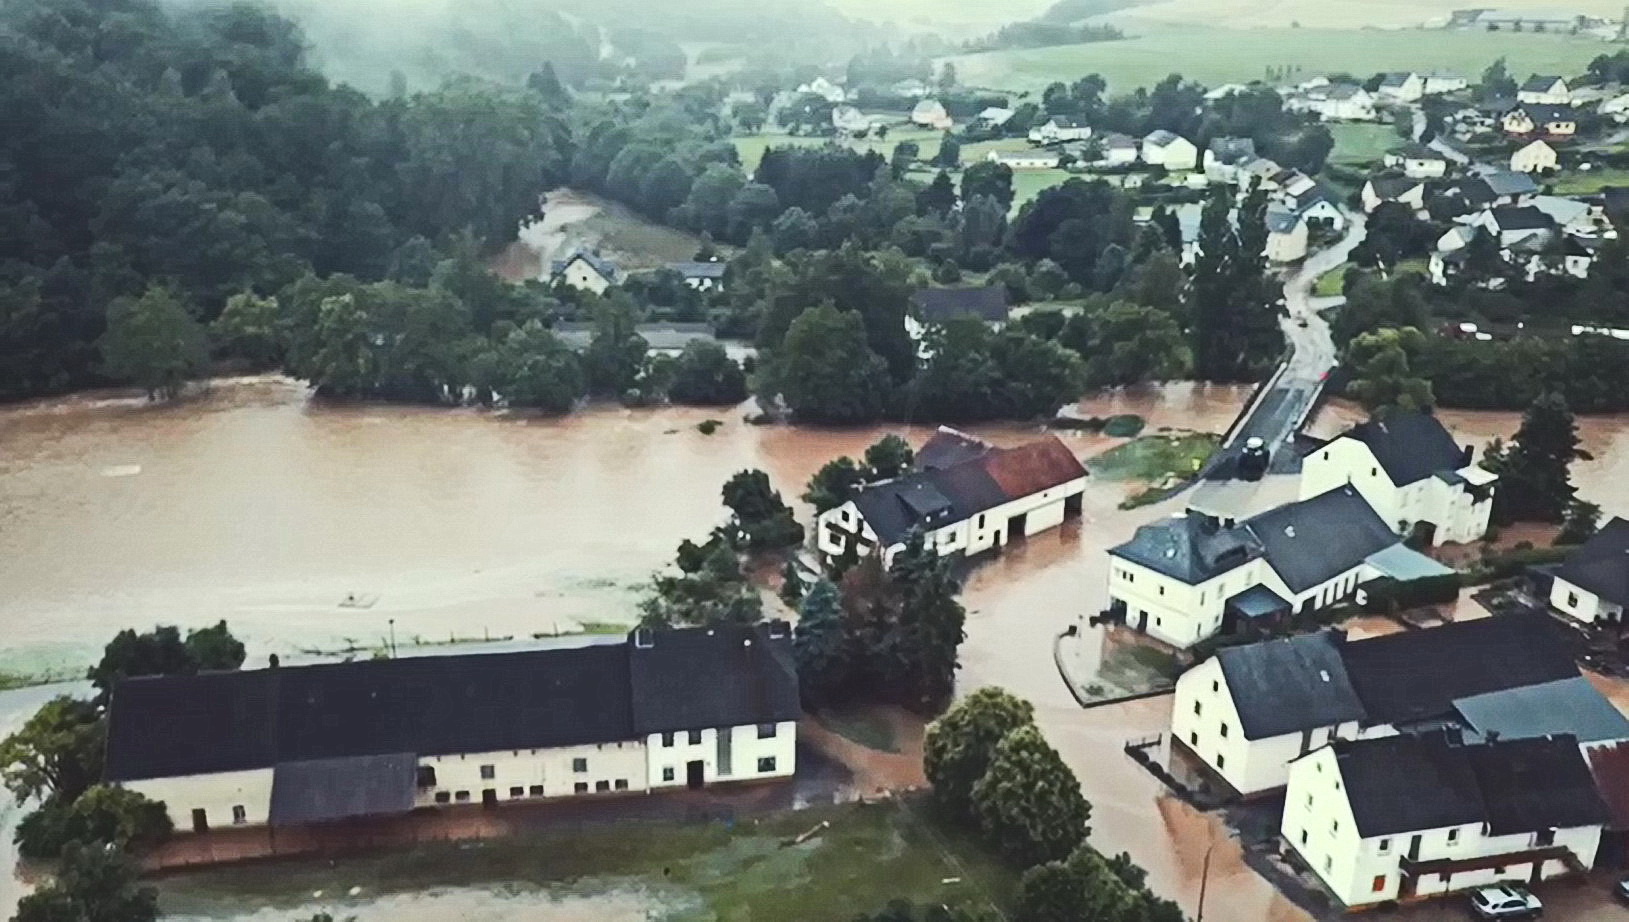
pixel 1601 564
pixel 1289 684
pixel 435 705
pixel 1410 446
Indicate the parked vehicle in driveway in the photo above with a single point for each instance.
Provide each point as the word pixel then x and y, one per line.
pixel 1505 902
pixel 1622 890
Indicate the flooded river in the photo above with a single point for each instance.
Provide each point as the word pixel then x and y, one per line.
pixel 254 504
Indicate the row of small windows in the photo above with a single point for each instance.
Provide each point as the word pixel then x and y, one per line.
pixel 517 791
pixel 693 737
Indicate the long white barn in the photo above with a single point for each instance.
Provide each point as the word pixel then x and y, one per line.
pixel 298 745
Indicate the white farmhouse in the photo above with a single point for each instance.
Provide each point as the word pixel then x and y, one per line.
pixel 1041 159
pixel 1170 150
pixel 1225 157
pixel 825 89
pixel 707 275
pixel 1250 711
pixel 1060 128
pixel 292 746
pixel 1592 585
pixel 1410 192
pixel 1118 150
pixel 965 497
pixel 1406 817
pixel 1192 576
pixel 1616 108
pixel 1286 235
pixel 930 113
pixel 935 307
pixel 1544 90
pixel 1535 157
pixel 1402 86
pixel 1411 471
pixel 585 271
pixel 1440 82
pixel 1334 102
pixel 1417 161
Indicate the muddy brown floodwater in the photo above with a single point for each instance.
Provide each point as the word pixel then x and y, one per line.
pixel 254 504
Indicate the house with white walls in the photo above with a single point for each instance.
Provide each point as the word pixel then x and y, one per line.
pixel 1191 576
pixel 1060 128
pixel 1537 119
pixel 1286 235
pixel 1439 82
pixel 1416 161
pixel 1402 86
pixel 1250 711
pixel 1592 585
pixel 1170 150
pixel 965 496
pixel 1534 157
pixel 931 113
pixel 1544 89
pixel 1333 102
pixel 584 271
pixel 1400 818
pixel 1411 471
pixel 296 745
pixel 1224 157
pixel 1410 192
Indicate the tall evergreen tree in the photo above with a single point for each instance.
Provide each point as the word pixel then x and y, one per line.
pixel 930 621
pixel 818 644
pixel 1535 484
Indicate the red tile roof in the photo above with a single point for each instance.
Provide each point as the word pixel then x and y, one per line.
pixel 1610 766
pixel 1039 465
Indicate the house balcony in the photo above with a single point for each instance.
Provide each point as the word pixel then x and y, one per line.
pixel 1416 870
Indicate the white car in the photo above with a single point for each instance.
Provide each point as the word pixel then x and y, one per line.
pixel 1504 902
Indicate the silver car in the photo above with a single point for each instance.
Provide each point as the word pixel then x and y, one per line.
pixel 1505 902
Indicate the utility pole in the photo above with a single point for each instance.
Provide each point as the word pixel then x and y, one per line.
pixel 392 638
pixel 1204 879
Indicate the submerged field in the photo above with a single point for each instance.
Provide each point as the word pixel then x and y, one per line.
pixel 1214 56
pixel 752 869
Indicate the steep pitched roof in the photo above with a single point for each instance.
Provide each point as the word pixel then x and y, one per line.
pixel 938 305
pixel 1410 446
pixel 1282 220
pixel 701 270
pixel 1543 113
pixel 1601 564
pixel 1539 83
pixel 1402 783
pixel 604 267
pixel 1161 137
pixel 947 447
pixel 1232 150
pixel 1414 150
pixel 1418 675
pixel 437 705
pixel 1190 548
pixel 1509 182
pixel 1314 540
pixel 1289 684
pixel 1391 188
pixel 1521 217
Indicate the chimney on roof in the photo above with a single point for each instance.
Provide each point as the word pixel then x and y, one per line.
pixel 273 661
pixel 644 638
pixel 777 629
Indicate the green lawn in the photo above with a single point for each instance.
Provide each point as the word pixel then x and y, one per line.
pixel 1219 55
pixel 1154 457
pixel 869 855
pixel 1330 284
pixel 1361 143
pixel 1586 183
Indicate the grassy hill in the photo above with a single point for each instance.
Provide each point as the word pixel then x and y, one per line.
pixel 1214 56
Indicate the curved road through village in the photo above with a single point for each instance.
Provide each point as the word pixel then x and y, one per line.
pixel 1013 621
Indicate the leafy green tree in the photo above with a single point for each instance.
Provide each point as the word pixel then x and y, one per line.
pixel 716 591
pixel 834 484
pixel 162 651
pixel 616 354
pixel 106 814
pixel 930 623
pixel 1126 343
pixel 56 753
pixel 250 328
pixel 1383 378
pixel 1029 803
pixel 1535 483
pixel 705 374
pixel 1496 81
pixel 760 513
pixel 1235 332
pixel 1373 303
pixel 153 343
pixel 990 178
pixel 961 744
pixel 214 649
pixel 536 369
pixel 1080 887
pixel 939 197
pixel 1581 522
pixel 708 207
pixel 889 457
pixel 92 884
pixel 755 205
pixel 827 372
pixel 819 645
pixel 950 152
pixel 903 158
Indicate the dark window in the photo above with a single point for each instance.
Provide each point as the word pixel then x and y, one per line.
pixel 1216 686
pixel 766 764
pixel 667 739
pixel 602 785
pixel 1196 707
pixel 579 765
pixel 1303 837
pixel 240 815
pixel 622 784
pixel 667 773
pixel 766 731
pixel 1194 737
pixel 443 797
pixel 580 787
pixel 460 796
pixel 517 791
pixel 1379 882
pixel 1224 731
pixel 535 790
pixel 1221 760
pixel 695 737
pixel 426 776
pixel 488 772
pixel 1453 836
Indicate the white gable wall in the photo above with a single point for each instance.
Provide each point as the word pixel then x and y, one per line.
pixel 1580 604
pixel 670 754
pixel 1170 610
pixel 1318 823
pixel 216 794
pixel 1448 506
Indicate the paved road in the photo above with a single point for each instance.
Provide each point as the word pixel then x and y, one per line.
pixel 1281 409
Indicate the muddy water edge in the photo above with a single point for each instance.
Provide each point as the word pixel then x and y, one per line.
pixel 308 526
